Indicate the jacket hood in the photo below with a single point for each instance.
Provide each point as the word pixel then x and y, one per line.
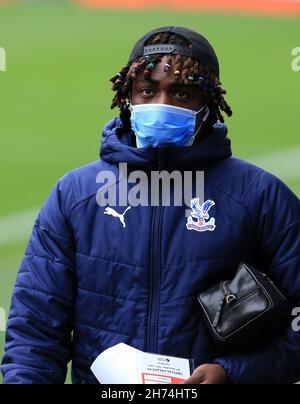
pixel 117 146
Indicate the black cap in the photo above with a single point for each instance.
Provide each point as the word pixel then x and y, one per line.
pixel 201 50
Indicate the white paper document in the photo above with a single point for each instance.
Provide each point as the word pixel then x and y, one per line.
pixel 122 364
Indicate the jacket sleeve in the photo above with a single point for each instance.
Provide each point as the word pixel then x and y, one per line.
pixel 275 211
pixel 38 338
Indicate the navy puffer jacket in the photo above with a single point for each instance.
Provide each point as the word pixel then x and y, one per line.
pixel 89 281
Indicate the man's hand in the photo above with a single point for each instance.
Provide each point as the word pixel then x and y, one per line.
pixel 208 374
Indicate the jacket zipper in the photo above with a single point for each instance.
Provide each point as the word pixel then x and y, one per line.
pixel 228 298
pixel 155 278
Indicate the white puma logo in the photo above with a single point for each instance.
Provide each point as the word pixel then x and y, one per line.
pixel 112 212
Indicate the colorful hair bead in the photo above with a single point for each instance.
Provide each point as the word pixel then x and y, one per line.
pixel 150 66
pixel 177 72
pixel 190 78
pixel 167 67
pixel 200 78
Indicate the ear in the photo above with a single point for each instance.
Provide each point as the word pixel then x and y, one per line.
pixel 125 118
pixel 200 121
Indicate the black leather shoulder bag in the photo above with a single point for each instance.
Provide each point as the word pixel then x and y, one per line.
pixel 242 313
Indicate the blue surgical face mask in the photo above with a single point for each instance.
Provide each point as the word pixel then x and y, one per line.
pixel 164 124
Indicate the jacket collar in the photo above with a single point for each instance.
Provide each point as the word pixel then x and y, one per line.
pixel 117 147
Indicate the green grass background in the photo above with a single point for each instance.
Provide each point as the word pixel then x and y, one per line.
pixel 55 95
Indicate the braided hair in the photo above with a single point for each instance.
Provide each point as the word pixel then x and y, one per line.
pixel 187 71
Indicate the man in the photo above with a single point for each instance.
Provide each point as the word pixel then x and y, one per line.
pixel 94 276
